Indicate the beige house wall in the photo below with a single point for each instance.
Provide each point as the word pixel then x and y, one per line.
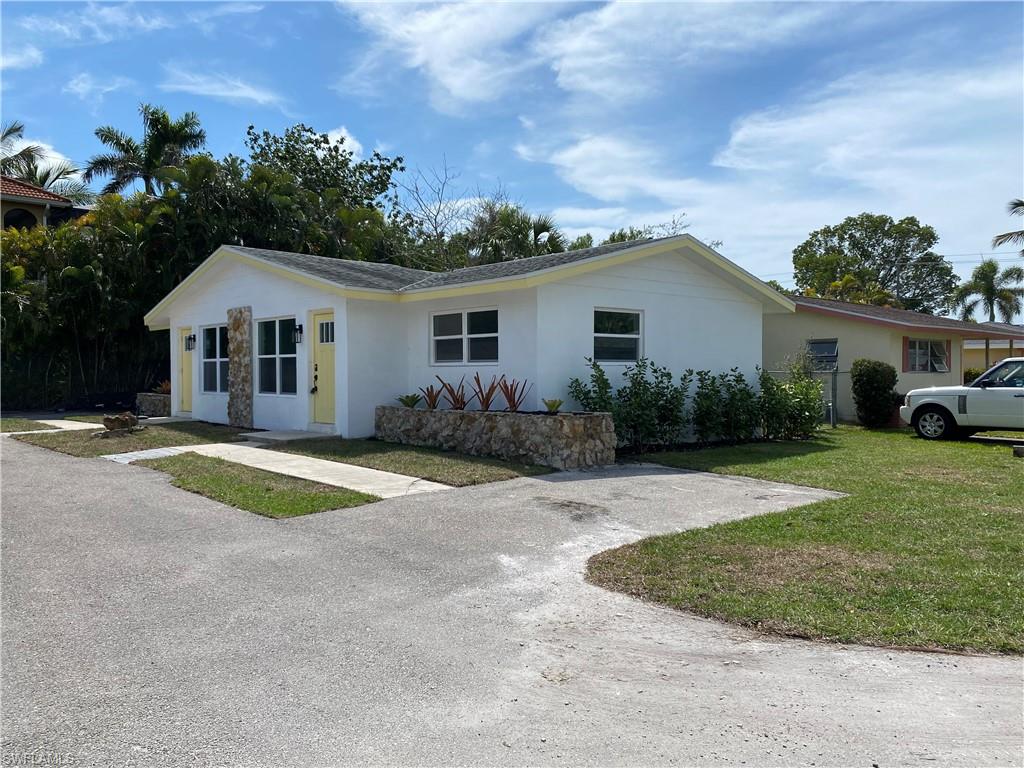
pixel 786 335
pixel 39 211
pixel 975 357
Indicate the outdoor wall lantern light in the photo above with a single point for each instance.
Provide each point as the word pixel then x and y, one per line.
pixel 297 334
pixel 190 342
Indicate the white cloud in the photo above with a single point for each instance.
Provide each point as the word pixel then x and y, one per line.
pixel 940 145
pixel 216 85
pixel 351 142
pixel 467 53
pixel 620 51
pixel 206 18
pixel 98 22
pixel 88 88
pixel 22 58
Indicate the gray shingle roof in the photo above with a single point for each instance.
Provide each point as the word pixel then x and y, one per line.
pixel 352 274
pixel 903 317
pixel 518 267
pixel 365 274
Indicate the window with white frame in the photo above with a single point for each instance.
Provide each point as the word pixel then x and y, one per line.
pixel 927 356
pixel 617 334
pixel 276 354
pixel 215 359
pixel 468 336
pixel 326 331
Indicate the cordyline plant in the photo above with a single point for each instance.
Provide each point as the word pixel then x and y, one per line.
pixel 514 392
pixel 456 396
pixel 484 395
pixel 431 397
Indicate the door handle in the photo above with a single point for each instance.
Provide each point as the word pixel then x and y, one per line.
pixel 1018 395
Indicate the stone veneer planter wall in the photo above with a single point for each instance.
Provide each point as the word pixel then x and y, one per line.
pixel 153 404
pixel 562 441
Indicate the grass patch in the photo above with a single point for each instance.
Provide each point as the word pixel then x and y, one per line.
pixel 17 424
pixel 428 463
pixel 927 551
pixel 82 443
pixel 254 490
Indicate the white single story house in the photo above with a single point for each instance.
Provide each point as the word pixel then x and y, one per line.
pixel 926 350
pixel 279 340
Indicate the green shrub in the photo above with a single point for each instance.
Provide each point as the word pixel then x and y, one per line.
pixel 708 407
pixel 970 374
pixel 741 411
pixel 596 396
pixel 649 409
pixel 873 383
pixel 789 409
pixel 772 406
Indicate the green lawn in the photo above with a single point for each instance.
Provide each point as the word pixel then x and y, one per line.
pixel 927 551
pixel 428 463
pixel 82 443
pixel 254 490
pixel 16 424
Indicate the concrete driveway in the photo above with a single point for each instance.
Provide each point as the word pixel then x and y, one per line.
pixel 143 625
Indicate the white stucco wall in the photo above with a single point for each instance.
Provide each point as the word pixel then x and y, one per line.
pixel 231 284
pixel 691 319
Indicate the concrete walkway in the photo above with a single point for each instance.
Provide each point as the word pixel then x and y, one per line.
pixel 374 481
pixel 69 424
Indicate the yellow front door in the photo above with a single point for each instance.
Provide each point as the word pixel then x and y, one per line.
pixel 323 367
pixel 185 370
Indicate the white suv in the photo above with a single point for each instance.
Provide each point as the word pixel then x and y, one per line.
pixel 995 400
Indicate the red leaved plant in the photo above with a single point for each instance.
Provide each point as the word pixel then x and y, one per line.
pixel 484 395
pixel 456 396
pixel 514 392
pixel 431 397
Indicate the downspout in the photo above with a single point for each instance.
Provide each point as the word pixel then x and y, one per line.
pixel 46 214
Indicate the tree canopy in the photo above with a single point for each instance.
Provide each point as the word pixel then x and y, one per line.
pixel 883 256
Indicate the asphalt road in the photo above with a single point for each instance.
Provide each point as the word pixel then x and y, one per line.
pixel 143 625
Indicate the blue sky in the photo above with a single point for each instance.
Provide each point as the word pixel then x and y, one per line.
pixel 760 121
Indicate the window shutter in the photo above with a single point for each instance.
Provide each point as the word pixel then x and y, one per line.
pixel 949 354
pixel 906 354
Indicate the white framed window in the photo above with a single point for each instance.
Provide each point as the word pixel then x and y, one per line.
pixel 325 331
pixel 927 356
pixel 618 335
pixel 215 358
pixel 275 352
pixel 466 336
pixel 824 353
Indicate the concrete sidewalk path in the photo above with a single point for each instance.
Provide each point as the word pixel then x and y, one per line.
pixel 384 484
pixel 69 424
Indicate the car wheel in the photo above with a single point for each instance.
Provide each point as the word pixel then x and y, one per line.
pixel 934 424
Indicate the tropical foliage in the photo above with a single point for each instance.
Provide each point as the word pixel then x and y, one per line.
pixel 992 293
pixel 873 259
pixel 1014 208
pixel 27 162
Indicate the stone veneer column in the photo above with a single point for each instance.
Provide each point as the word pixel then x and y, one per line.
pixel 240 367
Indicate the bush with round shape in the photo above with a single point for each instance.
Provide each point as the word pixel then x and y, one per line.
pixel 873 391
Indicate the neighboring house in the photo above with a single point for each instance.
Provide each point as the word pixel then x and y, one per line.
pixel 24 205
pixel 924 349
pixel 974 349
pixel 290 341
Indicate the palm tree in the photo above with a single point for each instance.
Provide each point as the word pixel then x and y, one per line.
pixel 60 177
pixel 504 232
pixel 165 142
pixel 1014 208
pixel 993 292
pixel 11 160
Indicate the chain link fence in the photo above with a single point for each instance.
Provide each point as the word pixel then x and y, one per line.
pixel 832 383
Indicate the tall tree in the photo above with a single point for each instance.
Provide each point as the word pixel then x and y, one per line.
pixel 895 256
pixel 1014 208
pixel 165 142
pixel 13 158
pixel 993 292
